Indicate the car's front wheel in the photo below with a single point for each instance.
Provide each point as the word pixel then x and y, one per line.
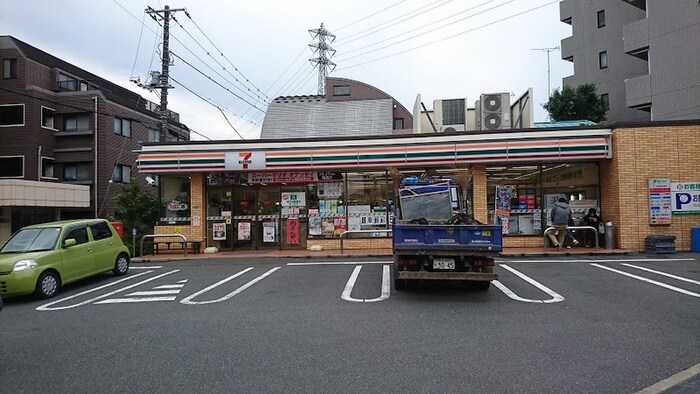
pixel 121 266
pixel 48 284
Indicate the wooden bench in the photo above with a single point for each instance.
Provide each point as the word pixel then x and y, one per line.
pixel 168 245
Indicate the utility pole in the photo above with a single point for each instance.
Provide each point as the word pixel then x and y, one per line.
pixel 323 60
pixel 548 50
pixel 163 78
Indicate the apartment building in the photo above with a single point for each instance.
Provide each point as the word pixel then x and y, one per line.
pixel 61 124
pixel 643 56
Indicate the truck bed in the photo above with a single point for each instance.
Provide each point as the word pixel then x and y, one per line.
pixel 436 239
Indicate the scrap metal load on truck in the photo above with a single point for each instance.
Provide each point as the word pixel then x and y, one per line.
pixel 433 238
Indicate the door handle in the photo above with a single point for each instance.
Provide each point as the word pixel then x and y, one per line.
pixel 89 250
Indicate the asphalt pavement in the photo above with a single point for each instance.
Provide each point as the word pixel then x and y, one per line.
pixel 549 325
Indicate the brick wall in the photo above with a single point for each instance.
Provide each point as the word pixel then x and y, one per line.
pixel 479 192
pixel 351 244
pixel 643 153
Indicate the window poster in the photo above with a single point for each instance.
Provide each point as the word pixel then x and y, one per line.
pixel 315 225
pixel 339 225
pixel 328 227
pixel 269 232
pixel 504 195
pixel 219 230
pixel 244 231
pixel 293 231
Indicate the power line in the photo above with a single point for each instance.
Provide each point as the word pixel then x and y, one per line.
pixel 257 97
pixel 449 37
pixel 287 69
pixel 380 27
pixel 222 54
pixel 369 16
pixel 216 82
pixel 425 32
pixel 138 46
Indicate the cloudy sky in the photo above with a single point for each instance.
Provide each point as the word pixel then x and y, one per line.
pixel 239 54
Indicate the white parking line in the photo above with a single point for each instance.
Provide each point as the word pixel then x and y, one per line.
pixel 653 282
pixel 577 260
pixel 188 300
pixel 386 286
pixel 340 263
pixel 663 274
pixel 46 307
pixel 134 300
pixel 153 293
pixel 139 267
pixel 169 287
pixel 555 296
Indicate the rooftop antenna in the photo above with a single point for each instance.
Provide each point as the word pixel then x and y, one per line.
pixel 548 50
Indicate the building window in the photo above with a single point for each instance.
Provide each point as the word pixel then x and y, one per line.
pixel 83 86
pixel 73 123
pixel 603 59
pixel 122 127
pixel 398 123
pixel 601 18
pixel 66 83
pixel 47 167
pixel 11 166
pixel 76 172
pixel 453 112
pixel 341 90
pixel 9 68
pixel 11 115
pixel 48 117
pixel 153 135
pixel 122 174
pixel 175 199
pixel 605 98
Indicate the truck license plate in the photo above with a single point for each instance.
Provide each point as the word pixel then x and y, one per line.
pixel 443 264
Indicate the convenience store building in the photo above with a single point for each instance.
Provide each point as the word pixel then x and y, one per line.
pixel 296 193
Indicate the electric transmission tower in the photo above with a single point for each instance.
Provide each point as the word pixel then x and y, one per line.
pixel 323 49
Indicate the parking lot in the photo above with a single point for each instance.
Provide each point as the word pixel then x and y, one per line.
pixel 570 324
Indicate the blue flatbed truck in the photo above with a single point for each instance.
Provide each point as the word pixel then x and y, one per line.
pixel 425 248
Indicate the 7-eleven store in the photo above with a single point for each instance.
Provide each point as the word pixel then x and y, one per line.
pixel 293 194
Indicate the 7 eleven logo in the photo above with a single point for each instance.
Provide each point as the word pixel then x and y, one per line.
pixel 244 159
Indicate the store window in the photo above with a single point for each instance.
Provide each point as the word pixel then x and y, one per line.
pixel 367 201
pixel 175 199
pixel 520 196
pixel 326 207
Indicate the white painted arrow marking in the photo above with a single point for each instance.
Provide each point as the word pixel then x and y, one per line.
pixel 386 286
pixel 555 296
pixel 188 300
pixel 653 282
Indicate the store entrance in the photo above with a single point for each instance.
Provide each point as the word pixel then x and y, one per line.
pixel 255 221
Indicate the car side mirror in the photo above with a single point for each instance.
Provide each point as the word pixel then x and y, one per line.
pixel 69 242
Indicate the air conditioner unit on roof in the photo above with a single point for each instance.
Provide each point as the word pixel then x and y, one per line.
pixel 495 111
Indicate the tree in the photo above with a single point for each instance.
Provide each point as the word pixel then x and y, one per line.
pixel 138 209
pixel 579 103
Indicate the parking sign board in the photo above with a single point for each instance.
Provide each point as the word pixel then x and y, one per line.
pixel 685 198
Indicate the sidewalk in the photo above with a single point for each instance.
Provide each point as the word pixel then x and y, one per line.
pixel 276 253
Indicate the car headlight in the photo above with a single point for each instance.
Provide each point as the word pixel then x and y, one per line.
pixel 24 265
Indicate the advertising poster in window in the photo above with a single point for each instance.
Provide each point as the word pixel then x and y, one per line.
pixel 504 195
pixel 269 232
pixel 339 226
pixel 244 231
pixel 219 231
pixel 295 199
pixel 293 231
pixel 330 190
pixel 315 225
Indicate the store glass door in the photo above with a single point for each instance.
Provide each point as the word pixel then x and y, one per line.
pixel 244 217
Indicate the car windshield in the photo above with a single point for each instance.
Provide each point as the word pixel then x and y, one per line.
pixel 32 240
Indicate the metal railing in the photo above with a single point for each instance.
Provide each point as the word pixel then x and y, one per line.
pixel 374 234
pixel 184 240
pixel 591 228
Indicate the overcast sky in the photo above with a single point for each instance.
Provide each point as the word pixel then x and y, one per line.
pixel 439 49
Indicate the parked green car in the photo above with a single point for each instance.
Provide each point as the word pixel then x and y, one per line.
pixel 41 258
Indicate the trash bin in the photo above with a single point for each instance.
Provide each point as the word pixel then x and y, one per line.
pixel 695 239
pixel 609 235
pixel 119 228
